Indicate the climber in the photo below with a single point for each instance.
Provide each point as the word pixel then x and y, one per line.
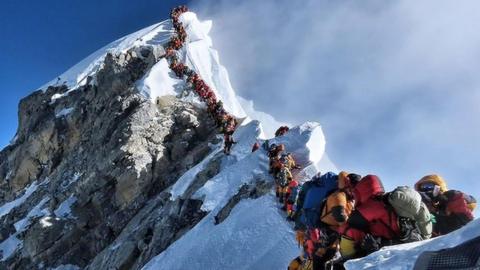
pixel 193 79
pixel 287 160
pixel 175 43
pixel 371 225
pixel 255 147
pixel 210 94
pixel 298 205
pixel 178 69
pixel 340 204
pixel 414 218
pixel 452 209
pixel 290 196
pixel 275 165
pixel 228 138
pixel 182 34
pixel 186 71
pixel 307 221
pixel 282 179
pixel 229 126
pixel 272 150
pixel 281 131
pixel 275 150
pixel 218 111
pixel 220 115
pixel 211 105
pixel 169 52
pixel 335 213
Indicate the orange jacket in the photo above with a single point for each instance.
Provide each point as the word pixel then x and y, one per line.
pixel 339 205
pixel 337 209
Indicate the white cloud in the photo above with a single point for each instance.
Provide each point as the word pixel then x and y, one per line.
pixel 394 83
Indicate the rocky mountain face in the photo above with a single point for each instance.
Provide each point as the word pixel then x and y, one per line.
pixel 116 164
pixel 89 169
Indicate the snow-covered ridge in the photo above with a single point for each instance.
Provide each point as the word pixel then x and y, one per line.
pixel 198 55
pixel 255 235
pixel 403 257
pixel 76 76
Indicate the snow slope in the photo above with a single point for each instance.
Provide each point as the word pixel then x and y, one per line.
pixel 199 55
pixel 76 76
pixel 403 257
pixel 255 235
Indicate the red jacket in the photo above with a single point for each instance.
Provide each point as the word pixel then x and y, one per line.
pixel 382 222
pixel 371 214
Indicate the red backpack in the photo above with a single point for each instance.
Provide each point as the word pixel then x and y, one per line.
pixel 457 203
pixel 367 188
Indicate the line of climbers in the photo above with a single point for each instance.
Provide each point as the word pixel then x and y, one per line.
pixel 225 121
pixel 345 216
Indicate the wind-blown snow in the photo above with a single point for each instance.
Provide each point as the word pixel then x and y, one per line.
pixel 403 257
pixel 7 207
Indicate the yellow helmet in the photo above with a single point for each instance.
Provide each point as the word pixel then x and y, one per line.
pixel 434 179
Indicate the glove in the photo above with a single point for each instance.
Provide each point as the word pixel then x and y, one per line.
pixel 370 244
pixel 433 219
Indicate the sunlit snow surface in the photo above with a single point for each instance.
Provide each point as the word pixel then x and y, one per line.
pixel 255 235
pixel 64 209
pixel 403 257
pixel 76 76
pixel 7 207
pixel 11 244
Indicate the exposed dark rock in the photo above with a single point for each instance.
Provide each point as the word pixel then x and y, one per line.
pixel 114 152
pixel 246 191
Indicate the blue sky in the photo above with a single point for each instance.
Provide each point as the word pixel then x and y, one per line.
pixel 42 39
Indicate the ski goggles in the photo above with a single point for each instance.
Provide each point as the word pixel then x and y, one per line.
pixel 426 187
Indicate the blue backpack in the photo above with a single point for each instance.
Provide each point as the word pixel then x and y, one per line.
pixel 316 195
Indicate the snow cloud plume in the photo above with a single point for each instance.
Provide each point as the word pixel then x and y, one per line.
pixel 394 83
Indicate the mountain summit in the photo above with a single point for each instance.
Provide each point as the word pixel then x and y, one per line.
pixel 116 161
pixel 118 164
